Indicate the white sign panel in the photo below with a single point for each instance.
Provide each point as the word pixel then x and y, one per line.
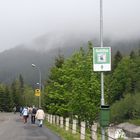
pixel 102 59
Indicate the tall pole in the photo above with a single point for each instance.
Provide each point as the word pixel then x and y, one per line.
pixel 39 98
pixel 101 44
pixel 102 74
pixel 39 86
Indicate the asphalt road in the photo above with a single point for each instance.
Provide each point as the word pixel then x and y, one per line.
pixel 13 128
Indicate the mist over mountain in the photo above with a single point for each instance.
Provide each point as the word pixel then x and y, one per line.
pixel 63 41
pixel 18 60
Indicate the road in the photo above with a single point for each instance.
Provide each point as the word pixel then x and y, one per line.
pixel 13 128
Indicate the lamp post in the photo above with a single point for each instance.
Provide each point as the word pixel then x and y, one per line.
pixel 38 68
pixel 102 74
pixel 42 93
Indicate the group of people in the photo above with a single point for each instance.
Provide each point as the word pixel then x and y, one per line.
pixel 34 113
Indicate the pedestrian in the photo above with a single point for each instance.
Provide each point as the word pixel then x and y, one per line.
pixel 40 116
pixel 33 113
pixel 25 114
pixel 14 109
pixel 20 111
pixel 30 110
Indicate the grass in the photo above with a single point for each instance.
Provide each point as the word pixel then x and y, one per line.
pixel 65 135
pixel 135 122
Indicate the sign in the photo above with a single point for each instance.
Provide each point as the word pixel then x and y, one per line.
pixel 102 59
pixel 37 92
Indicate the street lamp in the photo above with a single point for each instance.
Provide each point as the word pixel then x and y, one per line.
pixel 38 68
pixel 102 74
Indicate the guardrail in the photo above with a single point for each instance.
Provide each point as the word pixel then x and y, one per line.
pixel 67 124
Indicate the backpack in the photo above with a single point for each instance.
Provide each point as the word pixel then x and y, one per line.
pixel 34 111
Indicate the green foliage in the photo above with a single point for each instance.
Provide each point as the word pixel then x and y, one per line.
pixel 73 89
pixel 120 110
pixel 2 97
pixel 132 55
pixel 135 122
pixel 17 94
pixel 127 108
pixel 29 99
pixel 116 60
pixel 6 102
pixel 123 79
pixel 66 135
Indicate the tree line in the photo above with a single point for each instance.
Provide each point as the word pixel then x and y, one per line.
pixel 16 94
pixel 73 88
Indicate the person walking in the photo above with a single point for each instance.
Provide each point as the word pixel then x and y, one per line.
pixel 25 114
pixel 14 109
pixel 20 111
pixel 33 113
pixel 40 116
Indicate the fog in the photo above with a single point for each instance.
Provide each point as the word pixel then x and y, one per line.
pixel 24 20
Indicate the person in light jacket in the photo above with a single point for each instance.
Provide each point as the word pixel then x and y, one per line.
pixel 25 114
pixel 40 116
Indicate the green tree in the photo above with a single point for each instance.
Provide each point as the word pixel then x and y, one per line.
pixel 132 55
pixel 8 100
pixel 120 80
pixel 2 97
pixel 59 61
pixel 29 97
pixel 123 109
pixel 116 60
pixel 21 89
pixel 15 93
pixel 73 88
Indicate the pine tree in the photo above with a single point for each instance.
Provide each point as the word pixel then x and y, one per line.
pixel 132 55
pixel 8 100
pixel 2 98
pixel 116 60
pixel 15 93
pixel 21 89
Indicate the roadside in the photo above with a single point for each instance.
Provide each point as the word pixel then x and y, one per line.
pixel 13 128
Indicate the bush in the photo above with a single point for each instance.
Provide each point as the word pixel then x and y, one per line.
pixel 125 109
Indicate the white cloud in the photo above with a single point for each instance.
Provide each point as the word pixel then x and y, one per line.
pixel 23 20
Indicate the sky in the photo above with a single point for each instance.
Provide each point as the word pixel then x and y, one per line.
pixel 24 20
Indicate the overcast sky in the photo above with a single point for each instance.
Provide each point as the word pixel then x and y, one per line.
pixel 24 20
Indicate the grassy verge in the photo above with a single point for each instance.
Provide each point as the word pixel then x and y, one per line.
pixel 65 135
pixel 135 122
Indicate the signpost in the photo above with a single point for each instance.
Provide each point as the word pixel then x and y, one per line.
pixel 37 92
pixel 102 59
pixel 101 63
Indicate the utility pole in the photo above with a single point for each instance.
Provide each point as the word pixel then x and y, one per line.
pixel 39 98
pixel 102 74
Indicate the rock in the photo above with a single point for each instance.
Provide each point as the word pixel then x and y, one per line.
pixel 131 130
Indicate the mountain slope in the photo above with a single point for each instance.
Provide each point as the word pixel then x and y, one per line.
pixel 18 60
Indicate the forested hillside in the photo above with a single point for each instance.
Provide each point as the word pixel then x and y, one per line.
pixel 73 89
pixel 18 60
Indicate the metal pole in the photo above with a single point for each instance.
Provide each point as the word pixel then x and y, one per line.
pixel 39 98
pixel 39 86
pixel 102 74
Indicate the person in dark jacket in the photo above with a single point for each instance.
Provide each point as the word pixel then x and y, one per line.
pixel 33 113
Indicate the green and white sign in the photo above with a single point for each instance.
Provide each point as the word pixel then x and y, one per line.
pixel 102 59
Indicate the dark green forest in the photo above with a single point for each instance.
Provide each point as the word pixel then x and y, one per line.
pixel 73 88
